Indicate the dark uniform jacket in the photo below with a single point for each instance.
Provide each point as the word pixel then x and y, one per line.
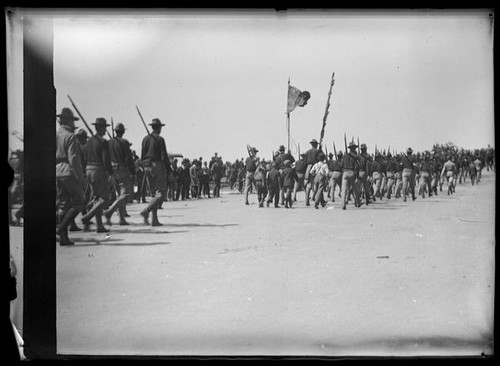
pixel 350 162
pixel 97 153
pixel 300 166
pixel 364 163
pixel 119 151
pixel 311 156
pixel 154 149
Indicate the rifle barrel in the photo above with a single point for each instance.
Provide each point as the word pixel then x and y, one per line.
pixel 78 112
pixel 142 119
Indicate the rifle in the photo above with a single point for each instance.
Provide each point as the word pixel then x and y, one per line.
pixel 345 143
pixel 83 119
pixel 112 127
pixel 249 149
pixel 142 119
pixel 334 150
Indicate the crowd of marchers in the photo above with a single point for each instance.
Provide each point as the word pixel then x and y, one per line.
pixel 97 177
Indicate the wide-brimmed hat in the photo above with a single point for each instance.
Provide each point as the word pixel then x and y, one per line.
pixel 100 121
pixel 119 126
pixel 352 145
pixel 363 146
pixel 281 148
pixel 409 150
pixel 66 114
pixel 340 153
pixel 156 122
pixel 314 141
pixel 254 149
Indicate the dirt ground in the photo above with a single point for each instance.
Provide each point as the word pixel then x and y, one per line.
pixel 222 278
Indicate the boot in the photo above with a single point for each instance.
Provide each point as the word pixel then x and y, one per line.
pixel 154 218
pixel 62 230
pixel 122 211
pixel 96 208
pixel 100 227
pixel 73 226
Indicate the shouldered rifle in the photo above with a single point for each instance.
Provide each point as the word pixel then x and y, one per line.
pixel 142 119
pixel 83 119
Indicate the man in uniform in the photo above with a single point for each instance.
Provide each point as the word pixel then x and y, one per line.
pixel 350 167
pixel 311 158
pixel 321 174
pixel 280 159
pixel 123 172
pixel 216 173
pixel 336 179
pixel 98 170
pixel 300 169
pixel 70 180
pixel 377 171
pixel 154 154
pixel 250 167
pixel 425 175
pixel 390 174
pixel 407 162
pixel 364 172
pixel 450 171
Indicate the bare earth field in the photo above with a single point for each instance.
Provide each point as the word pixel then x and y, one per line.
pixel 222 278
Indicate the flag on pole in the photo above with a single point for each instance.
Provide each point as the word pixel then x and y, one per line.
pixel 296 98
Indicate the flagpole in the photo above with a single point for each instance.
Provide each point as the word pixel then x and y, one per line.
pixel 288 120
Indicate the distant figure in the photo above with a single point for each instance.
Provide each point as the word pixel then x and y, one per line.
pixel 350 167
pixel 407 162
pixel 321 174
pixel 311 158
pixel 250 167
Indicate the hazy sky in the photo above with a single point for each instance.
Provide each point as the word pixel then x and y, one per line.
pixel 219 80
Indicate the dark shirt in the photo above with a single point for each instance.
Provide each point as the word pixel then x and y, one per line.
pixel 97 153
pixel 289 177
pixel 391 166
pixel 154 149
pixel 273 178
pixel 425 166
pixel 300 166
pixel 335 166
pixel 407 162
pixel 311 156
pixel 375 166
pixel 350 161
pixel 250 165
pixel 119 151
pixel 280 160
pixel 216 171
pixel 364 163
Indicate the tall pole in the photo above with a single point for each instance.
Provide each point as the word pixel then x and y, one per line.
pixel 288 120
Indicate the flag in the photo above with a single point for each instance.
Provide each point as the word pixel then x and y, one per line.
pixel 296 98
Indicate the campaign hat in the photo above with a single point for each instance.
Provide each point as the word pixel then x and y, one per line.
pixel 352 145
pixel 100 121
pixel 156 122
pixel 66 114
pixel 314 142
